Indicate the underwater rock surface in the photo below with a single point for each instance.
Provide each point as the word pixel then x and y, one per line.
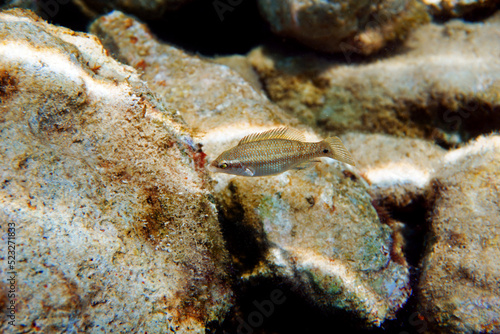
pixel 207 95
pixel 344 26
pixel 315 229
pixel 459 287
pixel 114 225
pixel 399 170
pixel 444 85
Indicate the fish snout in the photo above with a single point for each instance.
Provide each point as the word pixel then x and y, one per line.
pixel 212 166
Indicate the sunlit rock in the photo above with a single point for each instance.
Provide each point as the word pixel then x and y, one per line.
pixel 399 170
pixel 115 227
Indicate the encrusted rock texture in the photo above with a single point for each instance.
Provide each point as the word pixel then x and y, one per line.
pixel 460 275
pixel 459 288
pixel 443 85
pixel 214 100
pixel 115 226
pixel 296 227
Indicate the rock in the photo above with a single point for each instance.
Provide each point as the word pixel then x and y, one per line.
pixel 444 87
pixel 242 66
pixel 315 230
pixel 343 26
pixel 459 285
pixel 115 226
pixel 209 96
pixel 399 170
pixel 459 8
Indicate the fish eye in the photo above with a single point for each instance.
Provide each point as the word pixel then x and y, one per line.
pixel 326 150
pixel 223 165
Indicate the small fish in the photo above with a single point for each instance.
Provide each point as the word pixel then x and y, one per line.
pixel 275 151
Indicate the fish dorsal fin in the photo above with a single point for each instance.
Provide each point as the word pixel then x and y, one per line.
pixel 279 133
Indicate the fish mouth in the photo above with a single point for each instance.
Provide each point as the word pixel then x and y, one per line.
pixel 212 168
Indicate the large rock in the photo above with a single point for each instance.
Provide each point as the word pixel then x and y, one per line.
pixel 344 26
pixel 443 86
pixel 115 228
pixel 316 229
pixel 459 289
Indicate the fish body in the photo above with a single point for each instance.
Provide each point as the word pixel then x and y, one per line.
pixel 275 151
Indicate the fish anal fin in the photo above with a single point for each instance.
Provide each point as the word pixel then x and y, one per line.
pixel 306 164
pixel 278 133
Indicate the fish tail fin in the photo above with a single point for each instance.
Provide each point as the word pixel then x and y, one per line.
pixel 339 151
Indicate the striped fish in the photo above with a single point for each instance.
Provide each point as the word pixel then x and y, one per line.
pixel 275 151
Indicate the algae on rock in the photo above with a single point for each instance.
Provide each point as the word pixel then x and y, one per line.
pixel 460 8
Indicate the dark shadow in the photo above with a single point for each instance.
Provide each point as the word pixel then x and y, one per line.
pixel 297 316
pixel 68 15
pixel 246 245
pixel 201 27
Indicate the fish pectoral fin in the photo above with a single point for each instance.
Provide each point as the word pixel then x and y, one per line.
pixel 249 172
pixel 306 164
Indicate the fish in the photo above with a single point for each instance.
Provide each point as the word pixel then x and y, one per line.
pixel 276 151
